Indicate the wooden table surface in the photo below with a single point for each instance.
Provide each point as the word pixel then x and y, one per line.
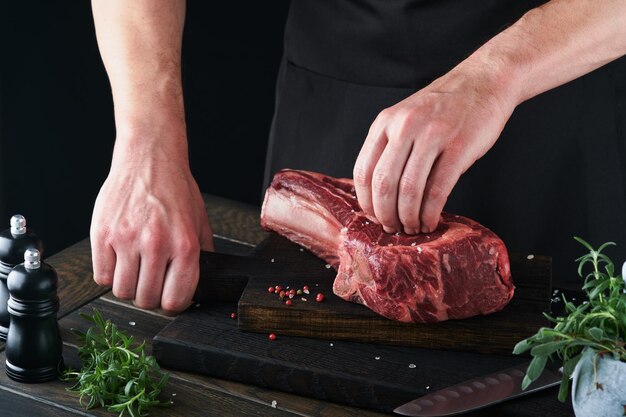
pixel 236 228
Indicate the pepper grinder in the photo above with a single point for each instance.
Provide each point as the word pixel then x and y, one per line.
pixel 34 349
pixel 13 243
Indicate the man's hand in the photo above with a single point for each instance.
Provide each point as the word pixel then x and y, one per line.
pixel 149 222
pixel 416 151
pixel 148 226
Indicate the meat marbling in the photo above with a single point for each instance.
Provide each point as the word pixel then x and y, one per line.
pixel 458 271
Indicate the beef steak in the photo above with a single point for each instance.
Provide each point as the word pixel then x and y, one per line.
pixel 458 271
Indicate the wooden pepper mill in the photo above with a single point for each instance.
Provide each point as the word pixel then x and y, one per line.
pixel 13 243
pixel 34 349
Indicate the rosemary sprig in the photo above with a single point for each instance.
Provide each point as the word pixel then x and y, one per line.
pixel 598 322
pixel 115 374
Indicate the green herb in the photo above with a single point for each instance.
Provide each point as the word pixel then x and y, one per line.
pixel 115 374
pixel 598 322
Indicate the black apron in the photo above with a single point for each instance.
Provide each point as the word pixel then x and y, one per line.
pixel 558 169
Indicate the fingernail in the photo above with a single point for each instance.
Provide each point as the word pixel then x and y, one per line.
pixel 409 231
pixel 425 229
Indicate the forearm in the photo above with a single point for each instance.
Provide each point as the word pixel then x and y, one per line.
pixel 554 44
pixel 140 43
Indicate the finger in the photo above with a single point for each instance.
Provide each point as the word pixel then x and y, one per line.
pixel 150 282
pixel 103 261
pixel 181 280
pixel 385 180
pixel 411 189
pixel 371 150
pixel 125 277
pixel 442 179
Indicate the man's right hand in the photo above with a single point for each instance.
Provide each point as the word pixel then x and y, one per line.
pixel 148 227
pixel 149 221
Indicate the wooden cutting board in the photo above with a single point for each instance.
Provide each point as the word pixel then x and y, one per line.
pixel 326 365
pixel 335 318
pixel 205 340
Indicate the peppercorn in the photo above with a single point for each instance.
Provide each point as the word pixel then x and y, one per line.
pixel 271 289
pixel 288 302
pixel 319 298
pixel 272 336
pixel 233 315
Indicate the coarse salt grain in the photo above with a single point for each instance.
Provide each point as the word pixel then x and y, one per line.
pixel 366 222
pixel 413 244
pixel 412 365
pixel 301 249
pixel 274 403
pixel 377 358
pixel 272 260
pixel 427 386
pixel 132 323
pixel 327 266
pixel 173 394
pixel 331 345
pixel 530 257
pixel 344 229
pixel 419 249
pixel 198 305
pixel 303 299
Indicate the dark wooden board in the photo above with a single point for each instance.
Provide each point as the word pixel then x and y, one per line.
pixel 191 398
pixel 337 319
pixel 205 340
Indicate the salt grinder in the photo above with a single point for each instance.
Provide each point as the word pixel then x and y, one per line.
pixel 13 243
pixel 34 349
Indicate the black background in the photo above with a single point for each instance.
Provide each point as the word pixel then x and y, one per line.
pixel 56 114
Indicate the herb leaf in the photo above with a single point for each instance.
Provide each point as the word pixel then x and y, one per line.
pixel 599 322
pixel 115 374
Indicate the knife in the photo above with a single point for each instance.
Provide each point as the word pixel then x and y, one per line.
pixel 478 392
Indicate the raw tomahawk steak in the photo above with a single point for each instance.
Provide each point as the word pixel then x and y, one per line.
pixel 458 271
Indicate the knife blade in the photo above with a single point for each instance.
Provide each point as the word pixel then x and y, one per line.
pixel 478 392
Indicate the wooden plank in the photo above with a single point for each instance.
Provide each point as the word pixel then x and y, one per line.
pixel 190 399
pixel 76 284
pixel 14 404
pixel 148 324
pixel 379 377
pixel 337 319
pixel 141 324
pixel 296 404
